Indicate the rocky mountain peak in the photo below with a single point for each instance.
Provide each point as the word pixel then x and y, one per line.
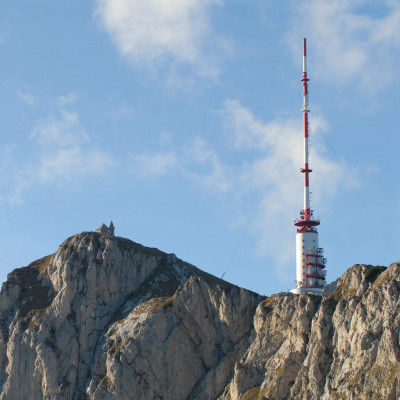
pixel 106 318
pixel 69 317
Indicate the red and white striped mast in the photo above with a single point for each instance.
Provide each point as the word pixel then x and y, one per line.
pixel 310 263
pixel 305 111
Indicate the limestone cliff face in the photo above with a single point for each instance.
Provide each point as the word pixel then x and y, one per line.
pixel 341 346
pixel 106 318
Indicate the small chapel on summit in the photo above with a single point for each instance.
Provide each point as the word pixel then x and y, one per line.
pixel 106 231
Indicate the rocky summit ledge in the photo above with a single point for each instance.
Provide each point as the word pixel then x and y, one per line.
pixel 107 318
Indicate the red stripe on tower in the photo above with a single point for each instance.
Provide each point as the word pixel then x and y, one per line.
pixel 305 122
pixel 306 171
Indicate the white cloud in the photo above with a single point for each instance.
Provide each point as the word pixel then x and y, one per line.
pixel 156 33
pixel 27 98
pixel 6 167
pixel 71 163
pixel 156 164
pixel 61 151
pixel 122 111
pixel 61 130
pixel 203 167
pixel 164 138
pixel 67 99
pixel 274 173
pixel 349 41
pixel 65 150
pixel 264 163
pixel 153 165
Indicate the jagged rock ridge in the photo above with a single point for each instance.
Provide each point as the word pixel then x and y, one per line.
pixel 106 318
pixel 344 346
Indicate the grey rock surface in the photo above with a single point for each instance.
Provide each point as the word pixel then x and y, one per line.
pixel 106 318
pixel 344 346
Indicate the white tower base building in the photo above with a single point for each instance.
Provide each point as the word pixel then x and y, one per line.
pixel 309 264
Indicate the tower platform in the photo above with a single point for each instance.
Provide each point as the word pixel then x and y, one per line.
pixel 301 290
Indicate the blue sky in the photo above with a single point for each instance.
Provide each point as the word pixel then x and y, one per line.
pixel 180 121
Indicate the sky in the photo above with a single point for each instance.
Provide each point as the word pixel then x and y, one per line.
pixel 179 120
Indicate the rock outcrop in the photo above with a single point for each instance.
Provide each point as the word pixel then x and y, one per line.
pixel 344 346
pixel 106 318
